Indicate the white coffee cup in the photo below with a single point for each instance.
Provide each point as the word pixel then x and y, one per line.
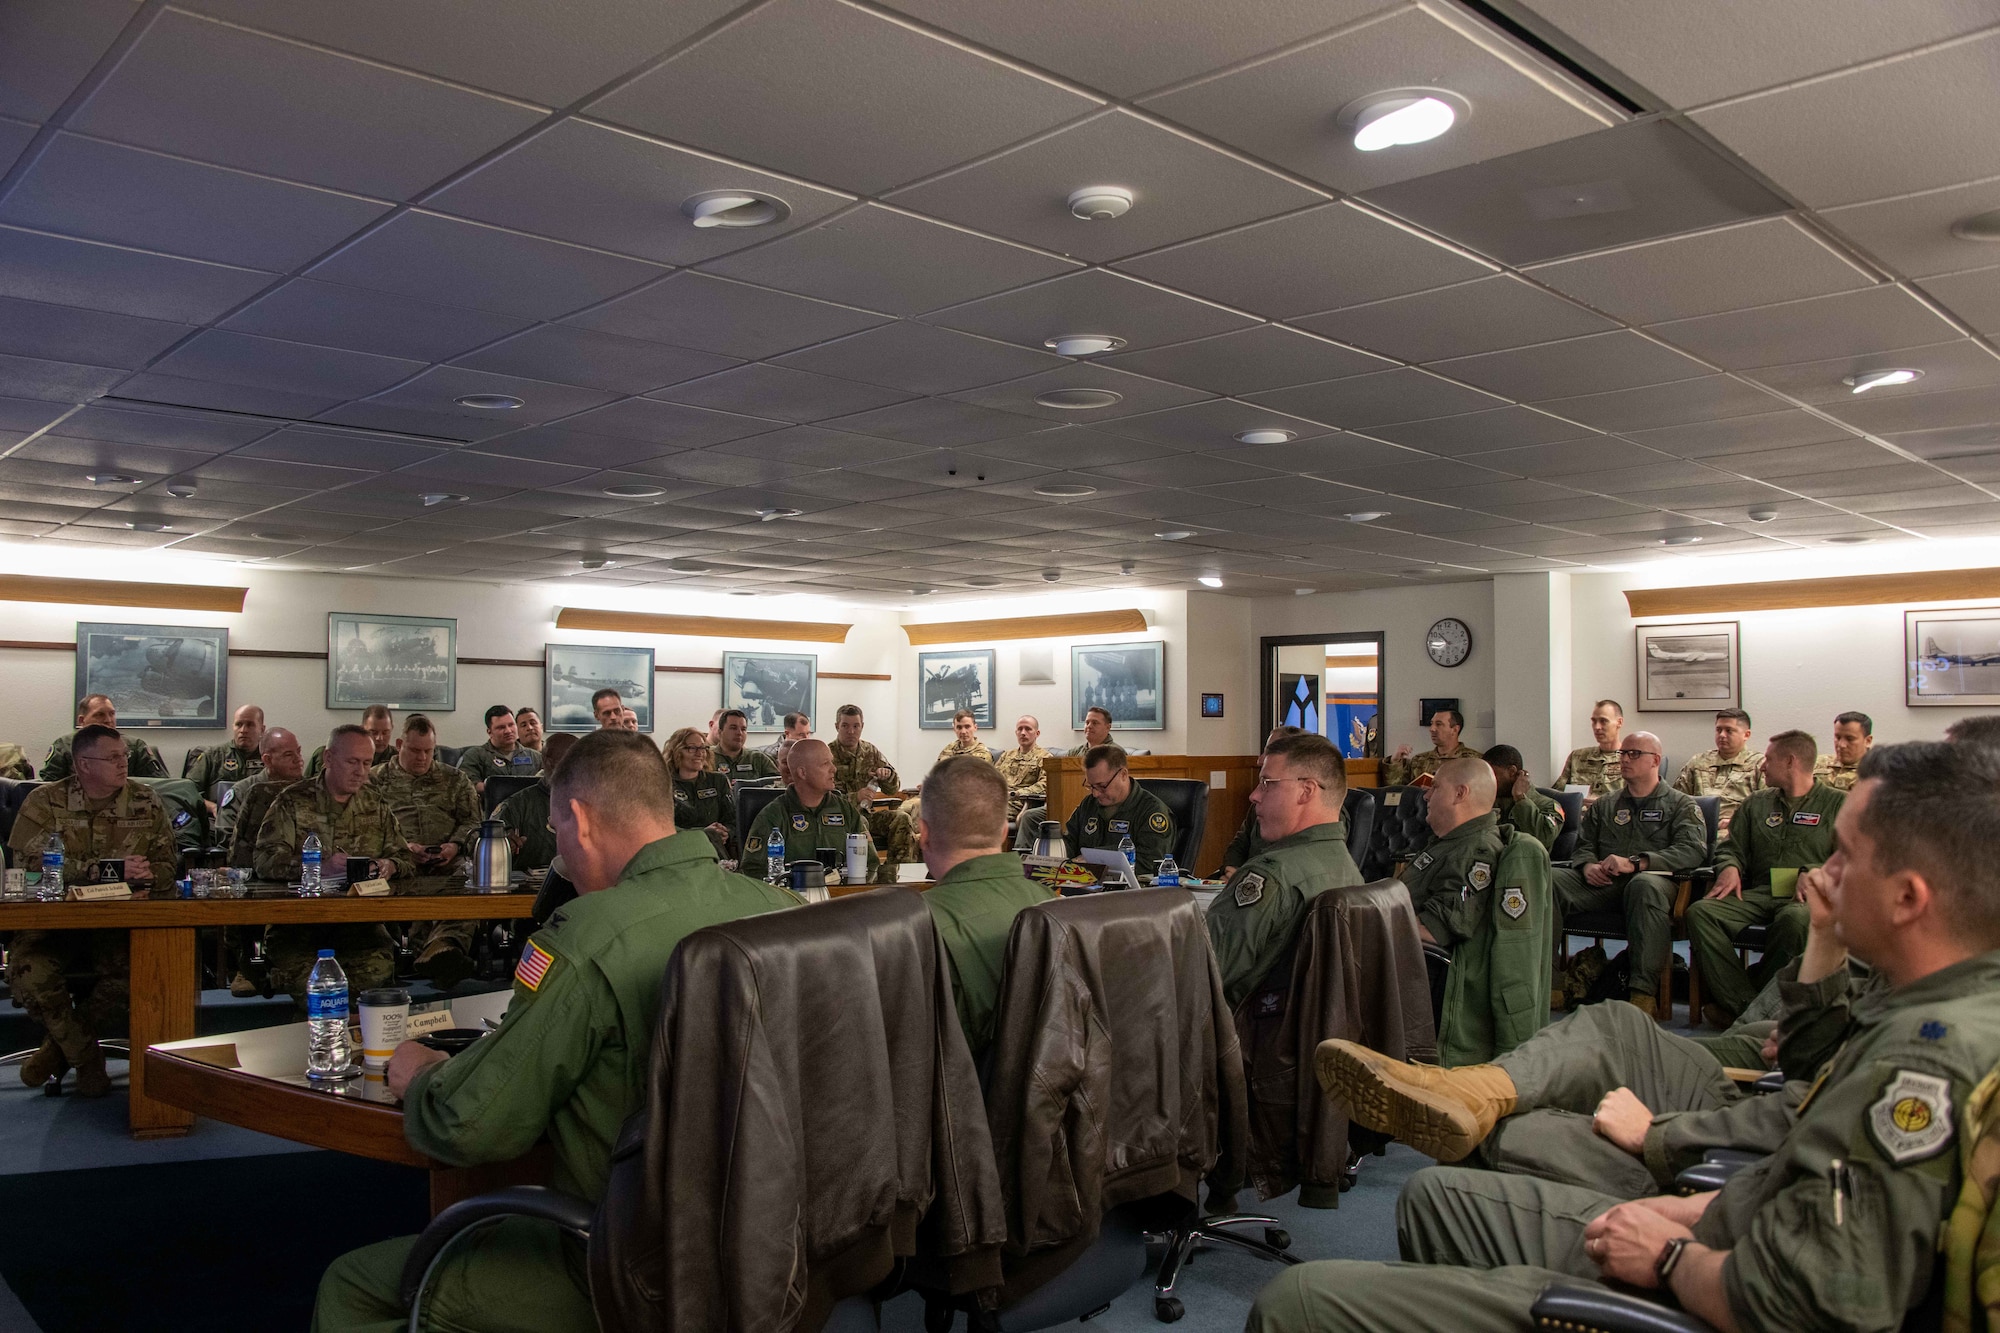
pixel 385 1014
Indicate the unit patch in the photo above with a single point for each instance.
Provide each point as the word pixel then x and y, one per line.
pixel 181 819
pixel 1158 822
pixel 1249 890
pixel 1912 1121
pixel 1090 825
pixel 1932 1031
pixel 1513 902
pixel 1773 819
pixel 1807 818
pixel 1479 876
pixel 799 823
pixel 1622 817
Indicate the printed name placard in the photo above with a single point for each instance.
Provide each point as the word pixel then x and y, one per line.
pixel 369 888
pixel 426 1019
pixel 90 893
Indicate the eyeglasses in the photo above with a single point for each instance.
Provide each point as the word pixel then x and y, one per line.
pixel 1633 754
pixel 119 760
pixel 1272 782
pixel 1104 786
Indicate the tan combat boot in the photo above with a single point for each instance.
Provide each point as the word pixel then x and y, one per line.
pixel 92 1078
pixel 43 1065
pixel 1442 1113
pixel 242 987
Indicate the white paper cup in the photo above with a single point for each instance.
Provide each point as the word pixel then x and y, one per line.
pixel 385 1013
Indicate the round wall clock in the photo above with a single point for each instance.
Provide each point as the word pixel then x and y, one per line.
pixel 1449 642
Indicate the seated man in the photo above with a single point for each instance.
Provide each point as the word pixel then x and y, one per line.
pixel 965 738
pixel 238 820
pixel 101 815
pixel 1853 733
pixel 235 761
pixel 439 812
pixel 1027 783
pixel 525 814
pixel 528 729
pixel 809 815
pixel 1631 844
pixel 351 818
pixel 732 732
pixel 1096 732
pixel 380 724
pixel 1248 842
pixel 797 727
pixel 502 755
pixel 1729 772
pixel 978 888
pixel 861 772
pixel 1595 768
pixel 1405 769
pixel 1839 1227
pixel 97 710
pixel 568 1063
pixel 1298 805
pixel 1118 808
pixel 1518 803
pixel 1782 829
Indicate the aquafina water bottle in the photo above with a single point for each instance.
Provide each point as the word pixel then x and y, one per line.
pixel 774 849
pixel 1131 853
pixel 329 1051
pixel 50 889
pixel 309 867
pixel 1169 875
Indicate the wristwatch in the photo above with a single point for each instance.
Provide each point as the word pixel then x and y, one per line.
pixel 1663 1267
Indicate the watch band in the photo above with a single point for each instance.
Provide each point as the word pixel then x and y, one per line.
pixel 1663 1267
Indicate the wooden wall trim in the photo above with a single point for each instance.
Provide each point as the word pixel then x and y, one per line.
pixel 1131 621
pixel 1343 663
pixel 1936 585
pixel 706 627
pixel 113 592
pixel 534 663
pixel 273 652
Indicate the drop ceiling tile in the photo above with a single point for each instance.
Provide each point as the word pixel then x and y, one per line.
pixel 778 391
pixel 235 477
pixel 1955 365
pixel 1912 233
pixel 105 456
pixel 596 360
pixel 237 98
pixel 1873 132
pixel 722 469
pixel 1973 297
pixel 448 262
pixel 56 381
pixel 69 333
pixel 1862 486
pixel 1189 470
pixel 1308 495
pixel 15 136
pixel 1328 456
pixel 1672 404
pixel 1283 108
pixel 1094 301
pixel 442 428
pixel 48 46
pixel 1942 516
pixel 1804 460
pixel 809 446
pixel 1137 394
pixel 59 271
pixel 269 363
pixel 1210 426
pixel 165 429
pixel 438 390
pixel 1596 363
pixel 1462 483
pixel 488 470
pixel 669 425
pixel 1741 434
pixel 1381 399
pixel 1950 443
pixel 954 469
pixel 348 449
pixel 1924 411
pixel 1700 494
pixel 1847 324
pixel 1071 446
pixel 920 358
pixel 718 315
pixel 1489 314
pixel 364 321
pixel 1479 432
pixel 564 444
pixel 1268 356
pixel 1617 186
pixel 844 97
pixel 1571 459
pixel 933 421
pixel 848 484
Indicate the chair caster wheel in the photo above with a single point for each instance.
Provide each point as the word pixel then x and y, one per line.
pixel 1278 1238
pixel 53 1088
pixel 938 1317
pixel 1168 1309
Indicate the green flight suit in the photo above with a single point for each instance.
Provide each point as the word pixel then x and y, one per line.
pixel 974 906
pixel 1770 831
pixel 745 767
pixel 1254 920
pixel 526 815
pixel 704 800
pixel 568 1063
pixel 806 832
pixel 1535 815
pixel 1482 891
pixel 1887 1106
pixel 186 812
pixel 145 760
pixel 1141 815
pixel 1666 828
pixel 223 763
pixel 480 762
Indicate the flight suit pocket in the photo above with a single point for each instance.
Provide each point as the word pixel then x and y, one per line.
pixel 1518 998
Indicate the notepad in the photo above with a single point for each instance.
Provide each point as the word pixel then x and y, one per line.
pixel 1784 881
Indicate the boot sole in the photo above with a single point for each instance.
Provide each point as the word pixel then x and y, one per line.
pixel 1380 1098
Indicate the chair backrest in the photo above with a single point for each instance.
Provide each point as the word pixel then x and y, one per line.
pixel 749 802
pixel 184 808
pixel 1400 831
pixel 500 788
pixel 1572 807
pixel 194 752
pixel 1187 802
pixel 1357 812
pixel 448 754
pixel 13 792
pixel 1711 815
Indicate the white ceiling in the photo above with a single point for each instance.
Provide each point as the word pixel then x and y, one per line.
pixel 261 247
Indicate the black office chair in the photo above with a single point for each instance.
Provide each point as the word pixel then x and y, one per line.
pixel 1187 802
pixel 1399 832
pixel 13 791
pixel 1609 923
pixel 448 754
pixel 499 789
pixel 1357 813
pixel 1572 808
pixel 749 802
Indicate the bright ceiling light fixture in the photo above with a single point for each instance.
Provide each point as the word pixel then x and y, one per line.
pixel 1082 344
pixel 1401 116
pixel 432 499
pixel 734 208
pixel 1684 540
pixel 1365 515
pixel 1100 203
pixel 490 402
pixel 110 479
pixel 1210 580
pixel 1064 491
pixel 1881 379
pixel 635 491
pixel 1174 535
pixel 768 515
pixel 1267 435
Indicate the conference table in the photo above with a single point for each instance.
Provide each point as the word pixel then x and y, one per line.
pixel 165 975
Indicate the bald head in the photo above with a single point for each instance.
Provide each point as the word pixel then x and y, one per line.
pixel 1462 790
pixel 1639 762
pixel 812 771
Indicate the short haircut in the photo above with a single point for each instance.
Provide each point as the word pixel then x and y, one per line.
pixel 965 804
pixel 93 733
pixel 1612 704
pixel 848 710
pixel 967 714
pixel 1314 757
pixel 1503 756
pixel 1113 755
pixel 348 729
pixel 679 741
pixel 1935 810
pixel 728 713
pixel 1733 715
pixel 601 696
pixel 377 712
pixel 498 710
pixel 522 712
pixel 1798 745
pixel 1981 730
pixel 83 704
pixel 1280 733
pixel 793 719
pixel 1862 720
pixel 1457 718
pixel 416 724
pixel 555 747
pixel 618 774
pixel 1104 713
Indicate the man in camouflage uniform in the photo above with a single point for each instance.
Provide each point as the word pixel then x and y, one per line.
pixel 798 727
pixel 1118 808
pixel 1853 733
pixel 732 734
pixel 1027 783
pixel 1731 771
pixel 860 772
pixel 502 756
pixel 100 815
pixel 438 812
pixel 233 762
pixel 1404 769
pixel 811 815
pixel 96 710
pixel 14 763
pixel 1516 800
pixel 380 726
pixel 965 744
pixel 1596 767
pixel 352 819
pixel 525 814
pixel 1096 732
pixel 238 819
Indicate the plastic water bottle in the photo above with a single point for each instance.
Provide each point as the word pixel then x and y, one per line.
pixel 1169 875
pixel 1131 854
pixel 309 872
pixel 51 887
pixel 774 849
pixel 329 1052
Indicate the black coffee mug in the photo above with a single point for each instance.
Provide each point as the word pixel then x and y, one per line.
pixel 360 869
pixel 829 858
pixel 806 875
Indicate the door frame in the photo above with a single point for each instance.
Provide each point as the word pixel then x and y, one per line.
pixel 1266 687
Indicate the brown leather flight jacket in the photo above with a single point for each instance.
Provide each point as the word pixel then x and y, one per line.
pixel 1104 995
pixel 812 1114
pixel 1357 972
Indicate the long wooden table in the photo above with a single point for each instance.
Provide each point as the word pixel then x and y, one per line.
pixel 165 977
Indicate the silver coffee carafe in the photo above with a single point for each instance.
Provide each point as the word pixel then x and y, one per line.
pixel 492 857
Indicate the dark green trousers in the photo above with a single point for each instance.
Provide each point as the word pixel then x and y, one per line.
pixel 1648 903
pixel 1713 924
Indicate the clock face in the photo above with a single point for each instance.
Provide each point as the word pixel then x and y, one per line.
pixel 1449 642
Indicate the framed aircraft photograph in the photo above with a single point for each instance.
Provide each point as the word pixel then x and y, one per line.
pixel 1688 668
pixel 156 675
pixel 572 672
pixel 951 681
pixel 766 686
pixel 1128 680
pixel 403 662
pixel 1952 658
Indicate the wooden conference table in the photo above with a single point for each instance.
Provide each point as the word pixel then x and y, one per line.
pixel 165 977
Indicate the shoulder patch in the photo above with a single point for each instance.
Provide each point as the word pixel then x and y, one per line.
pixel 181 819
pixel 227 798
pixel 1912 1120
pixel 534 966
pixel 755 845
pixel 1480 875
pixel 1514 903
pixel 1158 821
pixel 1622 817
pixel 1249 890
pixel 1932 1031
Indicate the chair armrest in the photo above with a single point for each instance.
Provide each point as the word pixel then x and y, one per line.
pixel 565 1210
pixel 1773 1081
pixel 1688 883
pixel 1716 1167
pixel 1591 1309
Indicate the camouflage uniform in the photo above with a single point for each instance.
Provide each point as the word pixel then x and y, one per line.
pixel 241 813
pixel 853 773
pixel 1026 783
pixel 365 826
pixel 526 813
pixel 1839 776
pixel 14 762
pixel 224 763
pixel 130 822
pixel 146 761
pixel 316 765
pixel 480 762
pixel 433 809
pixel 1709 774
pixel 1591 768
pixel 1401 773
pixel 958 749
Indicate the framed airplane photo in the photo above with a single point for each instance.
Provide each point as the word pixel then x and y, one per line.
pixel 1952 658
pixel 573 673
pixel 766 686
pixel 1688 668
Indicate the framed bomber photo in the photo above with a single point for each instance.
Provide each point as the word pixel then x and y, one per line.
pixel 950 681
pixel 1952 658
pixel 402 662
pixel 156 675
pixel 572 672
pixel 1127 680
pixel 1689 668
pixel 766 686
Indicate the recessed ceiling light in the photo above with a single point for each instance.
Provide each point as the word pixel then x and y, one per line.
pixel 1051 576
pixel 1365 515
pixel 1979 227
pixel 1685 539
pixel 1174 535
pixel 742 592
pixel 766 515
pixel 734 208
pixel 1881 379
pixel 983 581
pixel 1304 592
pixel 1082 344
pixel 1064 491
pixel 634 491
pixel 432 499
pixel 596 562
pixel 1761 514
pixel 922 592
pixel 181 490
pixel 1128 566
pixel 147 525
pixel 110 479
pixel 1210 580
pixel 490 402
pixel 1401 116
pixel 688 566
pixel 1269 435
pixel 1100 203
pixel 273 535
pixel 1855 539
pixel 1079 400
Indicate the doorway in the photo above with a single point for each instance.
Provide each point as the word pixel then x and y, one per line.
pixel 1331 684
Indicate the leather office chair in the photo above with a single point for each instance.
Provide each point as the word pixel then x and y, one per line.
pixel 500 788
pixel 13 791
pixel 1609 923
pixel 749 802
pixel 1187 802
pixel 1357 813
pixel 448 754
pixel 1399 832
pixel 1572 808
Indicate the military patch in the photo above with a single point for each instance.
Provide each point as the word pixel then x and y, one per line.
pixel 227 797
pixel 1422 861
pixel 1773 819
pixel 1514 903
pixel 1932 1031
pixel 1249 890
pixel 1806 817
pixel 1158 822
pixel 534 965
pixel 1479 876
pixel 1270 1002
pixel 1912 1121
pixel 1090 825
pixel 1622 817
pixel 833 819
pixel 181 819
pixel 799 823
pixel 755 845
pixel 1121 826
pixel 705 792
pixel 1652 816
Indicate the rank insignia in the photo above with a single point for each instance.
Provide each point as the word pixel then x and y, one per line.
pixel 1479 876
pixel 1249 890
pixel 1773 819
pixel 1514 903
pixel 1622 817
pixel 835 820
pixel 1912 1121
pixel 1158 822
pixel 799 823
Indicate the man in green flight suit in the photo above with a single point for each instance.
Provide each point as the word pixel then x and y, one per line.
pixel 1779 830
pixel 96 710
pixel 1298 804
pixel 1631 844
pixel 1248 842
pixel 1516 800
pixel 1839 1227
pixel 732 733
pixel 1118 808
pixel 235 761
pixel 525 814
pixel 810 815
pixel 439 812
pixel 502 756
pixel 568 1062
pixel 978 886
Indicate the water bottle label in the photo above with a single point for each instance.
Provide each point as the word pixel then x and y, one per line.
pixel 327 1005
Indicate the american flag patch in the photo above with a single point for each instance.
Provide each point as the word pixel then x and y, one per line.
pixel 534 965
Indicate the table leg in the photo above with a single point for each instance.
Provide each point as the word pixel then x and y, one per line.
pixel 164 983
